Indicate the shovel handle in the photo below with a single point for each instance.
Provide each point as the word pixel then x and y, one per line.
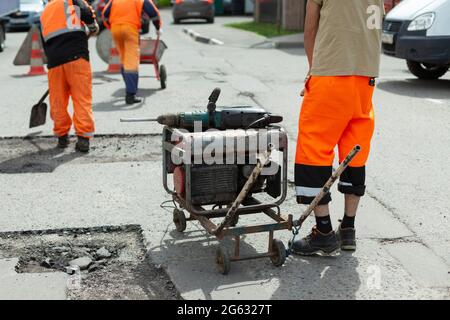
pixel 43 97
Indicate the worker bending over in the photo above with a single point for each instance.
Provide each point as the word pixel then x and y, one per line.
pixel 343 45
pixel 124 18
pixel 63 26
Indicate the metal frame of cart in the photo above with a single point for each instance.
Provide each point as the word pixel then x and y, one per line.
pixel 276 249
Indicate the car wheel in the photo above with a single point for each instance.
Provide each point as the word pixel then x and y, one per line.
pixel 2 38
pixel 176 21
pixel 210 20
pixel 426 70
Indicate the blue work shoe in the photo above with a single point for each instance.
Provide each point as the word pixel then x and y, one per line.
pixel 346 238
pixel 316 243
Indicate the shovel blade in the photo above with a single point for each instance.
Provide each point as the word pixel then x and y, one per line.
pixel 38 115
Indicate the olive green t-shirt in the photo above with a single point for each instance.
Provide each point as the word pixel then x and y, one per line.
pixel 348 41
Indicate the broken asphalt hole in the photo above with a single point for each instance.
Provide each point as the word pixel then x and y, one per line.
pixel 111 262
pixel 40 154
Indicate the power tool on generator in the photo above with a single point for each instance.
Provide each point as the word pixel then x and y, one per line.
pixel 242 117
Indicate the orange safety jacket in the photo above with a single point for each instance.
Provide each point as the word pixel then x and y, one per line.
pixel 127 12
pixel 60 17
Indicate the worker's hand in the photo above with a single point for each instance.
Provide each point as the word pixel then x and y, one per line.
pixel 302 93
pixel 93 28
pixel 159 32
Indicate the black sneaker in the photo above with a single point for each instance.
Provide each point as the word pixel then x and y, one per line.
pixel 316 243
pixel 63 141
pixel 82 144
pixel 346 238
pixel 131 99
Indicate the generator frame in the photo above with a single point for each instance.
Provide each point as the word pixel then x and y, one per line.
pixel 249 206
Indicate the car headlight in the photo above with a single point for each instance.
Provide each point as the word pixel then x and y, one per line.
pixel 422 22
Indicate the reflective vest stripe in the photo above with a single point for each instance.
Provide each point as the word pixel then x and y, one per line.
pixel 60 32
pixel 55 22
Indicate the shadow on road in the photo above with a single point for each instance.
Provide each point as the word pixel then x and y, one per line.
pixel 191 265
pixel 41 161
pixel 118 104
pixel 431 89
pixel 193 22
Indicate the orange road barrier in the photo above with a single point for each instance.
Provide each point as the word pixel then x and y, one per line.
pixel 114 61
pixel 31 53
pixel 36 59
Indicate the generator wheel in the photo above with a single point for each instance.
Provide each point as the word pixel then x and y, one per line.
pixel 163 76
pixel 280 253
pixel 223 260
pixel 179 219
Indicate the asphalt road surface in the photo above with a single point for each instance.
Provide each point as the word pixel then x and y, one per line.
pixel 403 224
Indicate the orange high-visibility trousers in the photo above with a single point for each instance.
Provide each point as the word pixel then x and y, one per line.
pixel 72 79
pixel 336 111
pixel 126 39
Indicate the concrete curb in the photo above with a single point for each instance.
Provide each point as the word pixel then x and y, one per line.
pixel 284 42
pixel 199 38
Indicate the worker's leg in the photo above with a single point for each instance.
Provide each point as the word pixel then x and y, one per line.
pixel 352 182
pixel 80 81
pixel 118 38
pixel 131 60
pixel 59 100
pixel 119 34
pixel 324 116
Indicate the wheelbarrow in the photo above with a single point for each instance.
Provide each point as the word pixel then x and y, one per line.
pixel 151 50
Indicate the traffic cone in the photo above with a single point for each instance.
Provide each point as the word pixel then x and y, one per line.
pixel 114 60
pixel 36 60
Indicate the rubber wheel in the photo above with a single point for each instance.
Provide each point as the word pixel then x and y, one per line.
pixel 426 71
pixel 176 21
pixel 179 219
pixel 210 20
pixel 280 253
pixel 163 76
pixel 2 38
pixel 223 260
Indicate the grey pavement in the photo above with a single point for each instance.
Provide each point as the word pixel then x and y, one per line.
pixel 30 286
pixel 402 229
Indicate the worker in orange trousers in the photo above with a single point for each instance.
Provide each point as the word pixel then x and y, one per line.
pixel 64 26
pixel 343 45
pixel 124 18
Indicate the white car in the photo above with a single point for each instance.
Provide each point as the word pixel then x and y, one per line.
pixel 419 32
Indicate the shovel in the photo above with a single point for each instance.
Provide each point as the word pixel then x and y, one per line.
pixel 39 112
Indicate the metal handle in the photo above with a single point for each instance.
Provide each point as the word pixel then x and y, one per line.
pixel 326 188
pixel 138 120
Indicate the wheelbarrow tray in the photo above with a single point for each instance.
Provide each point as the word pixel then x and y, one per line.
pixel 151 50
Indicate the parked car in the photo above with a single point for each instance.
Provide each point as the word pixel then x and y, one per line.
pixel 6 8
pixel 29 14
pixel 228 6
pixel 419 32
pixel 193 9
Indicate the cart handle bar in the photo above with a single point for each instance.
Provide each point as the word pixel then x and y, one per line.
pixel 326 188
